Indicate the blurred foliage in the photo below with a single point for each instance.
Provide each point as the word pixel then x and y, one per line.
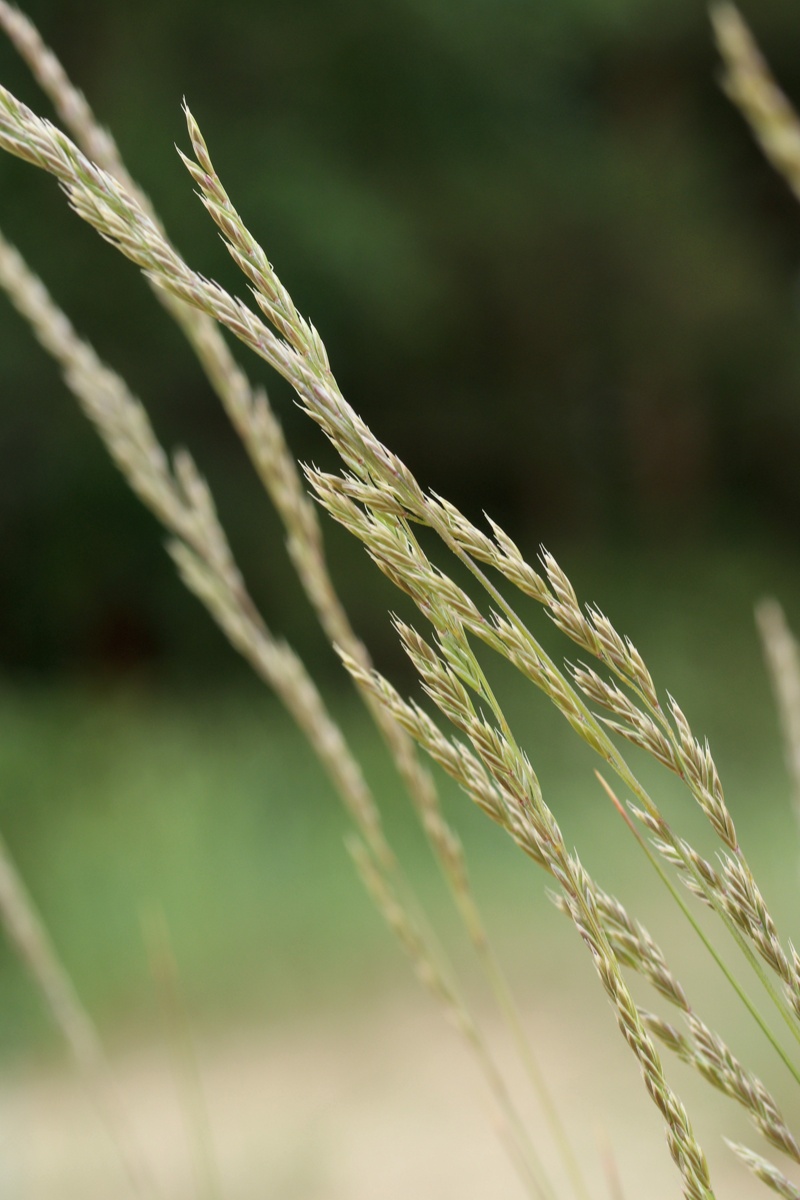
pixel 552 271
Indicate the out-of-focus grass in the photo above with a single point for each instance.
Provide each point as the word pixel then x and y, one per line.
pixel 207 803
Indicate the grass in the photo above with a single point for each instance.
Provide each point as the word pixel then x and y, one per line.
pixel 483 634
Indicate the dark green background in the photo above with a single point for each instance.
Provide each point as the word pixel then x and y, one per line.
pixel 551 268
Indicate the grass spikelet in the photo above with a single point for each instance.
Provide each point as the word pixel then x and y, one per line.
pixel 766 1171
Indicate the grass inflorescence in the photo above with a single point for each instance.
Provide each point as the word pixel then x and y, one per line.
pixel 469 618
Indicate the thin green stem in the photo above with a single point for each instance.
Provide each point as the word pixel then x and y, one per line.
pixel 499 985
pixel 623 771
pixel 511 1014
pixel 655 863
pixel 164 968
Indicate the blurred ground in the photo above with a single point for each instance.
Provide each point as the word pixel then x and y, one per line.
pixel 377 1104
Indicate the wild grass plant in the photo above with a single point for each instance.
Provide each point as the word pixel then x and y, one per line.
pixel 469 585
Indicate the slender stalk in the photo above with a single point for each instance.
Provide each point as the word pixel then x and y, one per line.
pixel 437 978
pixel 260 432
pixel 164 968
pixel 400 556
pixel 180 499
pixel 30 939
pixel 708 945
pixel 257 424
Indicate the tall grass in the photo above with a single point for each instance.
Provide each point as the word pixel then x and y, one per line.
pixel 428 549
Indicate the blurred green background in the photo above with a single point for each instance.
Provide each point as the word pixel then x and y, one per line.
pixel 551 268
pixel 554 274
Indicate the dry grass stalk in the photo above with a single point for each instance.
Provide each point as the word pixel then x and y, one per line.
pixel 103 203
pixel 166 976
pixel 248 408
pixel 379 500
pixel 734 890
pixel 388 539
pixel 706 1052
pixel 182 502
pixel 253 417
pixel 257 424
pixel 702 1049
pixel 30 939
pixel 517 784
pixel 436 978
pixel 749 83
pixel 180 499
